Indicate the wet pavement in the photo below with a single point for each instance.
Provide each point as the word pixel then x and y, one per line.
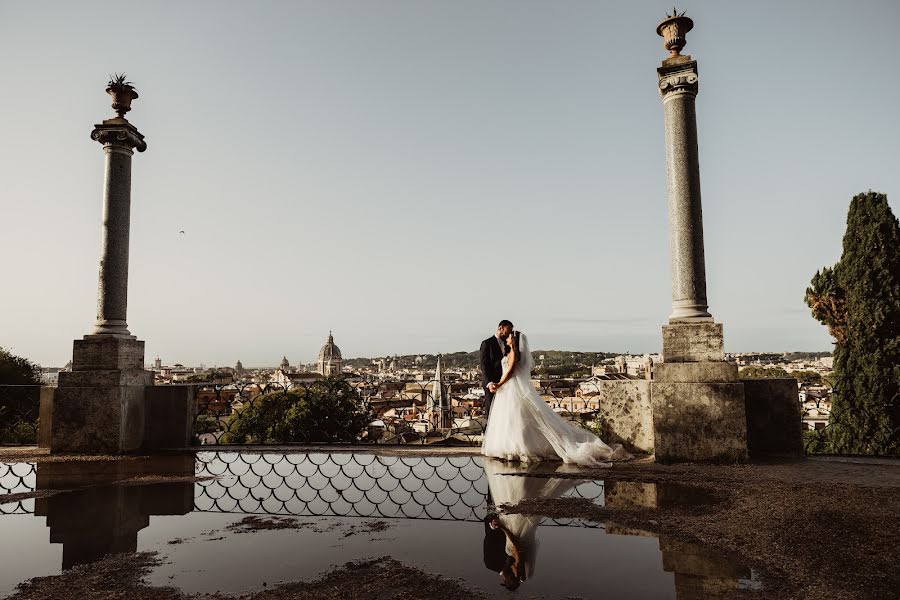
pixel 235 523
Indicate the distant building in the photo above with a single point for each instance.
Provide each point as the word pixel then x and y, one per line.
pixel 285 365
pixel 291 379
pixel 330 361
pixel 50 375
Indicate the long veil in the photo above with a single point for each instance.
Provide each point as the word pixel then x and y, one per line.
pixel 525 353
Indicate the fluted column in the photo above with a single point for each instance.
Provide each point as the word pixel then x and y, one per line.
pixel 119 139
pixel 679 84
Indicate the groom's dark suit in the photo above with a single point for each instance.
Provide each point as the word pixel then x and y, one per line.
pixel 491 354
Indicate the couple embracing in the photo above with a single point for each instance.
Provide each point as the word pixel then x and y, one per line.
pixel 521 426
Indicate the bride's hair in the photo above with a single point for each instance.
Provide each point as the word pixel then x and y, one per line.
pixel 512 342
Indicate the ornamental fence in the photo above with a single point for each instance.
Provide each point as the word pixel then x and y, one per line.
pixel 358 485
pixel 338 485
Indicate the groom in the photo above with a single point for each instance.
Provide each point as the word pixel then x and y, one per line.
pixel 492 351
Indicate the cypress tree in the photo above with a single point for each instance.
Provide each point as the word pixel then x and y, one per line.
pixel 860 303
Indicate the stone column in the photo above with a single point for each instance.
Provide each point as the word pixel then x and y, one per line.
pixel 691 335
pixel 99 406
pixel 119 139
pixel 678 84
pixel 696 399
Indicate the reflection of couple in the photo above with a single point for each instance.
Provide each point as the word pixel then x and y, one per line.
pixel 521 425
pixel 510 545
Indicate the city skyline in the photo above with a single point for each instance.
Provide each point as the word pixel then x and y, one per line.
pixel 326 164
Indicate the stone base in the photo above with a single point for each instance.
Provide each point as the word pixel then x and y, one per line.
pixel 773 417
pixel 98 419
pixel 699 422
pixel 693 342
pixel 98 407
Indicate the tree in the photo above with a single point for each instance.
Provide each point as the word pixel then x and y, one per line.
pixel 807 377
pixel 325 411
pixel 828 303
pixel 15 370
pixel 757 372
pixel 19 398
pixel 859 301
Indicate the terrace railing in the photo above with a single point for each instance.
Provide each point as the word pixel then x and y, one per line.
pixel 334 411
pixel 327 485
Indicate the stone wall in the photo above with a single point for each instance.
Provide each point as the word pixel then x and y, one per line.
pixel 773 417
pixel 625 410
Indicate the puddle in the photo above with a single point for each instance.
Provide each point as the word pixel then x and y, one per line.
pixel 267 518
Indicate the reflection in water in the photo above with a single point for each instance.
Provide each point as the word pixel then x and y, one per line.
pixel 109 502
pixel 700 574
pixel 520 544
pixel 99 517
pixel 511 543
pixel 354 485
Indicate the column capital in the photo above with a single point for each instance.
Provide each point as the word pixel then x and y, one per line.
pixel 118 135
pixel 677 77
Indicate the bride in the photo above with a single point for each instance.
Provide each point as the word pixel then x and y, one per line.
pixel 522 427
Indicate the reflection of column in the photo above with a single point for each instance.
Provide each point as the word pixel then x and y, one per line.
pixel 105 518
pixel 701 574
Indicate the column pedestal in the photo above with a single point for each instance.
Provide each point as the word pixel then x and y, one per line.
pixel 99 405
pixel 697 399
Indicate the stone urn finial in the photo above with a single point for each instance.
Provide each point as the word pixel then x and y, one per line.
pixel 673 30
pixel 122 93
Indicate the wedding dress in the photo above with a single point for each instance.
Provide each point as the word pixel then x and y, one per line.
pixel 507 486
pixel 523 427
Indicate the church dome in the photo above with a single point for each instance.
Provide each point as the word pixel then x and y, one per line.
pixel 329 351
pixel 284 363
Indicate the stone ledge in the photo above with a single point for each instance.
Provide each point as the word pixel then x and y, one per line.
pixel 105 378
pixel 695 372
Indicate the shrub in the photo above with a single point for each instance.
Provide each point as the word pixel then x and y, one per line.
pixel 327 411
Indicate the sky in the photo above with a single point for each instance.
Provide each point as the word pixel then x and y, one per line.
pixel 408 173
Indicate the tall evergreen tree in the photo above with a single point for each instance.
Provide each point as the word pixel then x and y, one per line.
pixel 859 300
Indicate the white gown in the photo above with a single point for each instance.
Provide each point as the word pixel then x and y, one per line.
pixel 509 487
pixel 523 427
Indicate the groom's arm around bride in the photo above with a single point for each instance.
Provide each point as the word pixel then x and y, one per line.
pixel 490 358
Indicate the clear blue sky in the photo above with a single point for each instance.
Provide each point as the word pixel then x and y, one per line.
pixel 407 173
